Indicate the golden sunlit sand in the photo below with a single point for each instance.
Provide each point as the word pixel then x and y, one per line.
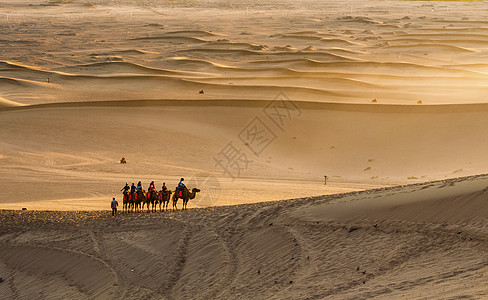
pixel 253 102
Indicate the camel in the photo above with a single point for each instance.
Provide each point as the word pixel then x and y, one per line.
pixel 131 203
pixel 164 199
pixel 139 199
pixel 185 196
pixel 126 202
pixel 146 201
pixel 153 199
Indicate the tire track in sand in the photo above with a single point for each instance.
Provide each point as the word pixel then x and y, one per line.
pixel 231 256
pixel 119 295
pixel 179 265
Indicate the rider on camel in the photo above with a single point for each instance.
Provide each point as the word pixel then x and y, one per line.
pixel 126 188
pixel 139 187
pixel 181 186
pixel 151 188
pixel 164 188
pixel 132 188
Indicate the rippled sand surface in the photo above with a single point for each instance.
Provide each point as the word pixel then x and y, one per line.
pixel 253 102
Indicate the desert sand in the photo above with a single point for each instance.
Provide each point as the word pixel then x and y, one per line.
pixel 422 241
pixel 253 102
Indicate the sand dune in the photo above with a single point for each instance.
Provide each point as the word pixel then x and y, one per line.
pixel 303 62
pixel 22 84
pixel 65 271
pixel 7 103
pixel 252 102
pixel 430 46
pixel 343 58
pixel 464 44
pixel 192 33
pixel 446 36
pixel 232 45
pixel 371 159
pixel 114 68
pixel 171 39
pixel 299 248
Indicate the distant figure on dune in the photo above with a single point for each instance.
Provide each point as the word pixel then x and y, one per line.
pixel 114 205
pixel 123 161
pixel 201 92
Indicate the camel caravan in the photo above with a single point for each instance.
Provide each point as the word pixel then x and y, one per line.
pixel 135 197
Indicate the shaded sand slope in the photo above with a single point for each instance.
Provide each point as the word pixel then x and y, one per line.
pixel 7 103
pixel 452 200
pixel 70 151
pixel 416 241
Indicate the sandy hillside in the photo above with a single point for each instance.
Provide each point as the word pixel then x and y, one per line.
pixel 369 93
pixel 424 241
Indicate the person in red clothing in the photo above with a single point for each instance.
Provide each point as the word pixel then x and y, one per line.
pixel 151 188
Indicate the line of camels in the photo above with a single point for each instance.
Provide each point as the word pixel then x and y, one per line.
pixel 136 201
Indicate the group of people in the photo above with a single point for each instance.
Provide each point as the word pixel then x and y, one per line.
pixel 138 188
pixel 152 187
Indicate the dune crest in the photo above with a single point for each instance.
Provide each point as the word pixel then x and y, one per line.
pixel 7 103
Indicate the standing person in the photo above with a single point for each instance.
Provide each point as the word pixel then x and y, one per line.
pixel 114 205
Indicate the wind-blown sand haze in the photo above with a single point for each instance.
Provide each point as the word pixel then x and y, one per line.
pixel 385 98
